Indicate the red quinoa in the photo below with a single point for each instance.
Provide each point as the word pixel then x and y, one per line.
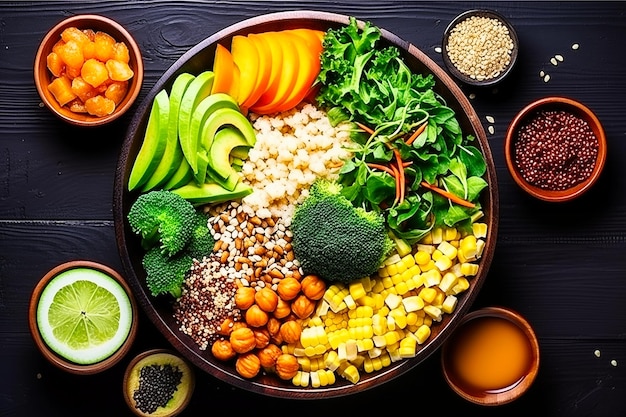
pixel 555 150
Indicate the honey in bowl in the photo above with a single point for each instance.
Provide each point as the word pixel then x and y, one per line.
pixel 492 357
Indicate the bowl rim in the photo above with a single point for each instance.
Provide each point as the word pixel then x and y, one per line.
pixel 86 21
pixel 124 237
pixel 139 357
pixel 52 356
pixel 516 391
pixel 580 110
pixel 455 71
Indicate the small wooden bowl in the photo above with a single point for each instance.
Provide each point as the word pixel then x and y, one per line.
pixel 52 356
pixel 462 76
pixel 43 76
pixel 555 103
pixel 499 396
pixel 131 380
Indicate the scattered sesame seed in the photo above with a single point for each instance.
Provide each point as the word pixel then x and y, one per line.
pixel 542 73
pixel 597 353
pixel 490 119
pixel 546 78
pixel 559 57
pixel 491 130
pixel 575 46
pixel 438 49
pixel 614 362
pixel 553 61
pixel 472 96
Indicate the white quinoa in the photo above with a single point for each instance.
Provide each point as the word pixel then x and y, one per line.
pixel 292 150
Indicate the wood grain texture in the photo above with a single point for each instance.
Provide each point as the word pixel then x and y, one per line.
pixel 562 266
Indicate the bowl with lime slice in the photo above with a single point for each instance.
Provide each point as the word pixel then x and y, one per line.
pixel 83 317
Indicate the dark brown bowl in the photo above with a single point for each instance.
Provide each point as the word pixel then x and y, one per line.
pixel 52 356
pixel 575 108
pixel 131 382
pixel 160 310
pixel 506 394
pixel 43 76
pixel 463 76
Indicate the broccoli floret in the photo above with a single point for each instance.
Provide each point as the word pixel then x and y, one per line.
pixel 335 240
pixel 202 241
pixel 164 218
pixel 165 274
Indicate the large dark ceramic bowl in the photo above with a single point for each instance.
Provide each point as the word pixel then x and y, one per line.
pixel 160 311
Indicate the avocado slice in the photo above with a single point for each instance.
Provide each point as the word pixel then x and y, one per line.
pixel 199 88
pixel 173 154
pixel 182 176
pixel 154 142
pixel 223 117
pixel 224 141
pixel 210 192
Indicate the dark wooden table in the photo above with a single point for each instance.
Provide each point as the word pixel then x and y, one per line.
pixel 562 266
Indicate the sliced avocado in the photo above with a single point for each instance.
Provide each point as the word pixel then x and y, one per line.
pixel 229 183
pixel 224 141
pixel 224 117
pixel 205 108
pixel 182 176
pixel 203 164
pixel 154 142
pixel 199 88
pixel 240 152
pixel 173 154
pixel 210 192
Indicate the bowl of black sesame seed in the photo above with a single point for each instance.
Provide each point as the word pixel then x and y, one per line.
pixel 555 149
pixel 480 47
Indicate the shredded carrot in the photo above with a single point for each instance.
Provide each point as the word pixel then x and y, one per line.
pixel 415 134
pixel 407 163
pixel 382 168
pixel 456 199
pixel 368 130
pixel 401 177
pixel 397 177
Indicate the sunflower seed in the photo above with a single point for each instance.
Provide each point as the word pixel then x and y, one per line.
pixel 575 46
pixel 490 119
pixel 559 57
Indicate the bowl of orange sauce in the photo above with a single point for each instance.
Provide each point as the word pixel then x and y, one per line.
pixel 492 358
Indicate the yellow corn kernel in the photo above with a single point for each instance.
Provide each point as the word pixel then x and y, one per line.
pixel 379 324
pixel 449 304
pixel 392 259
pixel 386 282
pixel 412 303
pixel 351 373
pixel 301 379
pixel 422 334
pixel 461 285
pixel 469 269
pixel 392 337
pixel 449 233
pixel 480 247
pixel 438 300
pixel 421 257
pixel 382 271
pixel 428 266
pixel 331 360
pixel 447 249
pixel 397 278
pixel 364 345
pixel 436 255
pixel 392 301
pixel 429 249
pixel 402 288
pixel 436 235
pixel 411 318
pixel 448 280
pixel 399 317
pixel 408 261
pixel 358 361
pixel 479 230
pixel 392 269
pixel 456 269
pixel 366 301
pixel 468 247
pixel 428 321
pixel 443 263
pixel 322 378
pixel 378 286
pixel 418 281
pixel 356 290
pixel 427 294
pixel 408 346
pixel 431 278
pixel 347 351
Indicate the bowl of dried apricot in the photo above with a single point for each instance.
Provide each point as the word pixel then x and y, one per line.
pixel 88 70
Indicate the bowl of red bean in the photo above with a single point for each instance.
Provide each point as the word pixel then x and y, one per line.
pixel 480 47
pixel 555 149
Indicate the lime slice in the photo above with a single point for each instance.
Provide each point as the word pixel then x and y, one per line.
pixel 84 315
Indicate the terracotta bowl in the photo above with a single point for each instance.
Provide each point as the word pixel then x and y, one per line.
pixel 502 395
pixel 463 76
pixel 52 356
pixel 131 382
pixel 160 310
pixel 43 76
pixel 555 103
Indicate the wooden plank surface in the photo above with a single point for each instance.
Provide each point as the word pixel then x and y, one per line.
pixel 562 266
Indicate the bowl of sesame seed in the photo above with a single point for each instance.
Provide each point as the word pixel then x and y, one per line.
pixel 555 149
pixel 480 47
